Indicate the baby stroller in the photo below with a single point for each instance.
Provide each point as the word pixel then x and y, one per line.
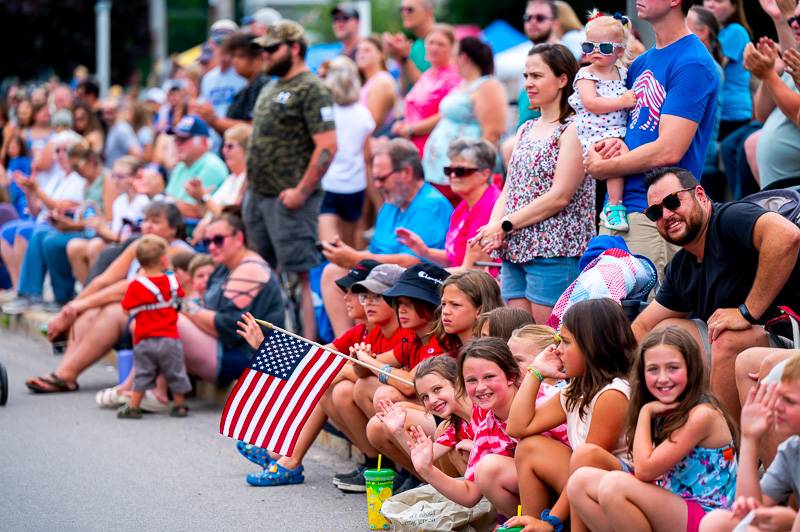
pixel 3 385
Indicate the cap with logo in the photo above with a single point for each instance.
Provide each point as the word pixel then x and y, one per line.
pixel 282 31
pixel 422 281
pixel 357 273
pixel 380 279
pixel 346 9
pixel 190 126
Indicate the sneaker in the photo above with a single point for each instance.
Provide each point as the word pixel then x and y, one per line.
pixel 354 484
pixel 52 307
pixel 399 479
pixel 355 472
pixel 615 217
pixel 410 483
pixel 18 306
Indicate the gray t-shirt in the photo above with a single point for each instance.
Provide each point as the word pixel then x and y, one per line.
pixel 782 479
pixel 121 138
pixel 778 148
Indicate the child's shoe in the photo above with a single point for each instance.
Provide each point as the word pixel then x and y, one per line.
pixel 615 217
pixel 129 412
pixel 179 411
pixel 276 475
pixel 257 455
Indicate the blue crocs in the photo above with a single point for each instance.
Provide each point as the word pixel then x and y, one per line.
pixel 257 455
pixel 276 475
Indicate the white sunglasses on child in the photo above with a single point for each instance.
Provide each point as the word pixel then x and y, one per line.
pixel 605 48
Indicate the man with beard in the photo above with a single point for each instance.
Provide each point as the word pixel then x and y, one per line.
pixel 738 262
pixel 409 202
pixel 293 144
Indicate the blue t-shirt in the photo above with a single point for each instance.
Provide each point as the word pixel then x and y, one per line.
pixel 428 215
pixel 17 196
pixel 738 104
pixel 679 80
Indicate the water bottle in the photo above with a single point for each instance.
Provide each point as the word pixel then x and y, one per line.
pixel 90 211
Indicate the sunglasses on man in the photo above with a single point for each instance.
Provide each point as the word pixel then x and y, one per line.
pixel 671 201
pixel 538 18
pixel 605 48
pixel 272 48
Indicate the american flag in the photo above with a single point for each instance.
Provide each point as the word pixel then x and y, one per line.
pixel 275 395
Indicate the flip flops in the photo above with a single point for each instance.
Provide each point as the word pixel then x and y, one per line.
pixel 51 383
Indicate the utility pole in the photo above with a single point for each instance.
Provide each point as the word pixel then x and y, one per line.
pixel 102 11
pixel 158 39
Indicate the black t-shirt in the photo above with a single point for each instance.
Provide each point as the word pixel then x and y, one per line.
pixel 241 107
pixel 726 275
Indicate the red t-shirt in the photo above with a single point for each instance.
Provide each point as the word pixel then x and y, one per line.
pixel 410 351
pixel 351 337
pixel 466 429
pixel 160 323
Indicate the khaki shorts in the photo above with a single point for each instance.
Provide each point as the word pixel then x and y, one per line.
pixel 774 340
pixel 643 239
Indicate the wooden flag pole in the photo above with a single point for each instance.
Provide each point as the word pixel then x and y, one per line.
pixel 329 350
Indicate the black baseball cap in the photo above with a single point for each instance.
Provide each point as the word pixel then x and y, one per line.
pixel 356 274
pixel 422 281
pixel 346 9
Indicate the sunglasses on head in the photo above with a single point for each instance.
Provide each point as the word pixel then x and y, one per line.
pixel 217 240
pixel 458 171
pixel 605 48
pixel 671 201
pixel 538 18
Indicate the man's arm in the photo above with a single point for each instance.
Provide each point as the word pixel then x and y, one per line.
pixel 778 243
pixel 651 316
pixel 321 158
pixel 675 135
pixel 785 98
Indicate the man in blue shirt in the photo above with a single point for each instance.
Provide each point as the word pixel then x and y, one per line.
pixel 676 85
pixel 409 202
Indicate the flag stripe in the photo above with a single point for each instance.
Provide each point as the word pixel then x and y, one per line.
pixel 233 409
pixel 280 403
pixel 264 408
pixel 252 391
pixel 225 420
pixel 322 380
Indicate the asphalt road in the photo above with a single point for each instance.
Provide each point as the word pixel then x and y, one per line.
pixel 67 465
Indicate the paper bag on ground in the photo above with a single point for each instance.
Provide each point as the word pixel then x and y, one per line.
pixel 424 508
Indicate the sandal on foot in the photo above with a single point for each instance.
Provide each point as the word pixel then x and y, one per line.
pixel 51 384
pixel 111 398
pixel 179 411
pixel 257 455
pixel 129 412
pixel 276 475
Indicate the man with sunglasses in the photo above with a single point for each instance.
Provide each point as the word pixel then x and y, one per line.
pixel 676 85
pixel 346 20
pixel 409 202
pixel 738 262
pixel 418 18
pixel 293 144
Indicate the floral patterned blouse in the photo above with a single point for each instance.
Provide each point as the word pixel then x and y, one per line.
pixel 530 174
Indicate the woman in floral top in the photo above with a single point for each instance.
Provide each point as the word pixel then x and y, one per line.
pixel 543 220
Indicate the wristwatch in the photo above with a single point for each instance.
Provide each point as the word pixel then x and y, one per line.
pixel 506 224
pixel 746 314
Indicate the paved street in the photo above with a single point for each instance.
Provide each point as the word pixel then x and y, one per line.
pixel 67 465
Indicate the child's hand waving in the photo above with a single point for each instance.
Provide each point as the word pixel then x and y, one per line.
pixel 391 415
pixel 758 410
pixel 421 450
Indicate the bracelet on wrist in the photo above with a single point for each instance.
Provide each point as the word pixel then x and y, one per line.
pixel 553 520
pixel 383 378
pixel 536 373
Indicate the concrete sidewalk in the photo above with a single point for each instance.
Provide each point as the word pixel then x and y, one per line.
pixel 67 465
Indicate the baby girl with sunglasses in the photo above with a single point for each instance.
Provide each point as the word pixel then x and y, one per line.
pixel 601 99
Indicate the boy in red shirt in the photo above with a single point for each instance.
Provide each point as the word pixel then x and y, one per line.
pixel 153 300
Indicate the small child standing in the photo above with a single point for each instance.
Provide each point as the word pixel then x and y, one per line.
pixel 601 98
pixel 153 300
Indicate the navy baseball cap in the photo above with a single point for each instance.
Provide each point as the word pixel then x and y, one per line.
pixel 190 126
pixel 356 274
pixel 422 281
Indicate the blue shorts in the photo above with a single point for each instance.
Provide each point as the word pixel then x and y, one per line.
pixel 22 228
pixel 231 362
pixel 541 280
pixel 348 207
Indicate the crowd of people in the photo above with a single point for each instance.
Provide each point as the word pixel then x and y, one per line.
pixel 435 247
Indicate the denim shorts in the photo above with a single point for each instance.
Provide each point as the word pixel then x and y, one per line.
pixel 348 207
pixel 541 280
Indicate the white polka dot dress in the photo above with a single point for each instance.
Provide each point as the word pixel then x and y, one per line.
pixel 593 127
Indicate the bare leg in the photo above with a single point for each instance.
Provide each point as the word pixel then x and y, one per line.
pixel 723 355
pixel 540 312
pixel 615 187
pixel 136 399
pixel 333 299
pixel 96 246
pixel 355 422
pixel 594 456
pixel 542 468
pixel 522 303
pixel 719 521
pixel 199 348
pixel 329 228
pixel 95 334
pixel 11 262
pixel 582 490
pixel 497 478
pixel 633 505
pixel 307 306
pixel 76 253
pixel 308 434
pixel 348 232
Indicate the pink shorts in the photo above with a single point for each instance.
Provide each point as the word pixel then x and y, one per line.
pixel 694 514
